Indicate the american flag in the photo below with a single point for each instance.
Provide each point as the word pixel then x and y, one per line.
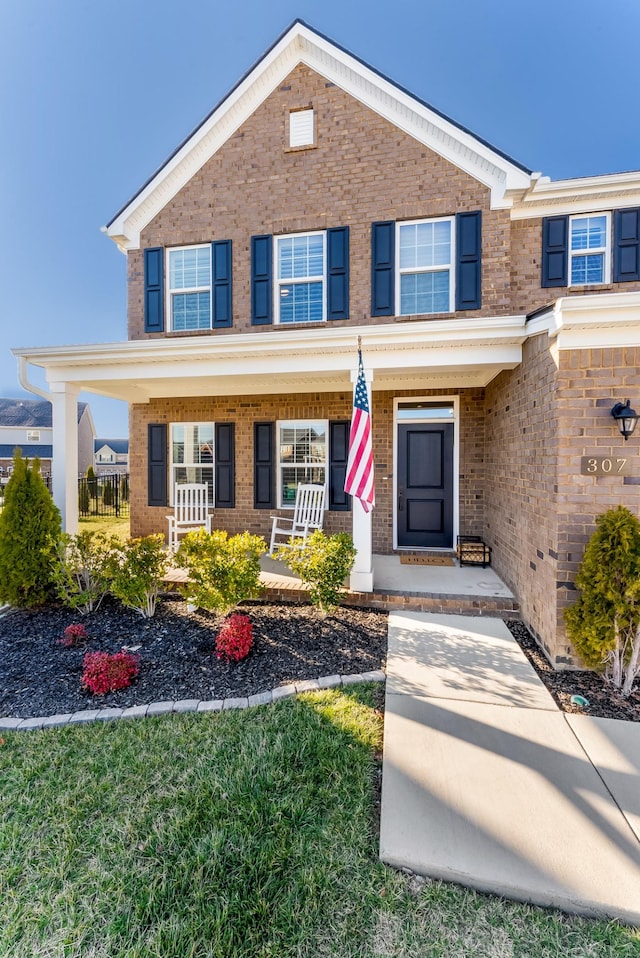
pixel 359 481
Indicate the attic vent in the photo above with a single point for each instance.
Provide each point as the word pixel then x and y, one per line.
pixel 301 131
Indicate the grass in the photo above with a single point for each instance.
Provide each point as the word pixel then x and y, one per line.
pixel 247 833
pixel 110 525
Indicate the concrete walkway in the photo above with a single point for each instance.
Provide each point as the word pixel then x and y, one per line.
pixel 486 783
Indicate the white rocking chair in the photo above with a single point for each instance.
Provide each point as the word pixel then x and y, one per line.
pixel 191 511
pixel 308 515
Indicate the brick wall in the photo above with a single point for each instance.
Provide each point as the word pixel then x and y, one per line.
pixel 363 169
pixel 244 412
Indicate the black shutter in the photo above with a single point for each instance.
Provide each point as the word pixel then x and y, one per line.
pixel 383 266
pixel 157 463
pixel 261 280
pixel 264 485
pixel 154 290
pixel 225 484
pixel 339 501
pixel 221 284
pixel 555 246
pixel 469 260
pixel 626 248
pixel 338 273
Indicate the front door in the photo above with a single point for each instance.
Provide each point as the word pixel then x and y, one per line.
pixel 425 485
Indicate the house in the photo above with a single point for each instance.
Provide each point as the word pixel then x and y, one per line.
pixel 27 424
pixel 111 456
pixel 499 313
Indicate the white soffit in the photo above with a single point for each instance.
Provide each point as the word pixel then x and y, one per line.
pixel 588 194
pixel 302 45
pixel 591 321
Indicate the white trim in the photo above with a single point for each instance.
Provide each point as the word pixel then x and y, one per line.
pixel 427 269
pixel 277 282
pixel 605 250
pixel 302 45
pixel 301 128
pixel 454 400
pixel 296 424
pixel 546 197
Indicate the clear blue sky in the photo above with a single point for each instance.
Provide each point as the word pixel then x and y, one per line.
pixel 95 95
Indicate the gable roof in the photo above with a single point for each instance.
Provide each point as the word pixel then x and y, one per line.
pixel 30 413
pixel 119 446
pixel 301 44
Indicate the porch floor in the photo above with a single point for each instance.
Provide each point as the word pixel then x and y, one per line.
pixel 463 590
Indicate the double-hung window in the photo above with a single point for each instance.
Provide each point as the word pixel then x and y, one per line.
pixel 302 457
pixel 589 248
pixel 189 287
pixel 425 258
pixel 192 455
pixel 300 288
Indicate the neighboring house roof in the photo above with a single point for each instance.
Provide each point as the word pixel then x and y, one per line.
pixel 30 450
pixel 31 413
pixel 119 446
pixel 301 44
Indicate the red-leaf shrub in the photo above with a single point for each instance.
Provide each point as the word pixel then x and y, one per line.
pixel 235 638
pixel 73 635
pixel 103 672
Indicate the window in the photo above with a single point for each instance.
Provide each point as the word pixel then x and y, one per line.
pixel 189 287
pixel 425 271
pixel 589 250
pixel 300 278
pixel 192 454
pixel 302 457
pixel 33 435
pixel 301 132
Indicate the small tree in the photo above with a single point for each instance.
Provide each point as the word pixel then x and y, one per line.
pixel 138 571
pixel 107 492
pixel 29 531
pixel 92 486
pixel 222 571
pixel 604 624
pixel 323 563
pixel 84 569
pixel 83 499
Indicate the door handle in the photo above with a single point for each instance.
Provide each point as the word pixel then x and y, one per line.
pixel 400 502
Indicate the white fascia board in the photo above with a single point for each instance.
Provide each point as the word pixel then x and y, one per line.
pixel 302 45
pixel 591 321
pixel 581 195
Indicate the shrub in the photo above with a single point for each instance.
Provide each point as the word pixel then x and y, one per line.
pixel 29 532
pixel 235 638
pixel 604 624
pixel 84 569
pixel 223 571
pixel 124 488
pixel 138 572
pixel 105 672
pixel 323 563
pixel 74 635
pixel 107 493
pixel 83 499
pixel 92 488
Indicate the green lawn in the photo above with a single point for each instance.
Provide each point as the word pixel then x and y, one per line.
pixel 110 525
pixel 234 834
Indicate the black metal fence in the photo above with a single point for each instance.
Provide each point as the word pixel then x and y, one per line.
pixel 104 496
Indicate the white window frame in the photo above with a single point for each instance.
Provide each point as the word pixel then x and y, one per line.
pixel 173 466
pixel 606 249
pixel 427 269
pixel 277 282
pixel 33 435
pixel 169 291
pixel 298 424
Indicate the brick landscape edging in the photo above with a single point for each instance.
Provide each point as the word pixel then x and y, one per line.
pixel 189 705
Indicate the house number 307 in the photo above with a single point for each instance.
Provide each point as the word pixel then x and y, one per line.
pixel 603 466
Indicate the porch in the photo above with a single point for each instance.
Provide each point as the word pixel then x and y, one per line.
pixel 424 588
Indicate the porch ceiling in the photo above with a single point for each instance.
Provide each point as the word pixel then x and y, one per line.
pixel 415 355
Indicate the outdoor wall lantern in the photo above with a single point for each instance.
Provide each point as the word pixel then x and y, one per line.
pixel 626 417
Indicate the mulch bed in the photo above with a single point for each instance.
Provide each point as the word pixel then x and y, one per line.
pixel 603 701
pixel 177 661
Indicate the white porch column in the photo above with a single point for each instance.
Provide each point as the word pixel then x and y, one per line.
pixel 361 579
pixel 64 399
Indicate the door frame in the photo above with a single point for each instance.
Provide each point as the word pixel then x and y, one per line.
pixel 454 401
